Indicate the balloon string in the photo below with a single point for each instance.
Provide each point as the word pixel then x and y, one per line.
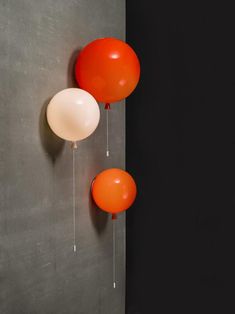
pixel 74 146
pixel 114 253
pixel 107 108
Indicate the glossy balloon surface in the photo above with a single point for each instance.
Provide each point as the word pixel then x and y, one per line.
pixel 114 190
pixel 108 68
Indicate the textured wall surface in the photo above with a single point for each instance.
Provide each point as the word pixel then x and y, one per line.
pixel 39 273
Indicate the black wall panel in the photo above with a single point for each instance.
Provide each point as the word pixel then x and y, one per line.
pixel 181 149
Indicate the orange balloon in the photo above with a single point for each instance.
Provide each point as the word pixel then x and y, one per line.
pixel 114 190
pixel 108 69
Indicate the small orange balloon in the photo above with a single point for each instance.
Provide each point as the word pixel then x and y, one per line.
pixel 114 190
pixel 108 69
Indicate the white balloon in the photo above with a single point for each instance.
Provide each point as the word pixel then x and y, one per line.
pixel 73 114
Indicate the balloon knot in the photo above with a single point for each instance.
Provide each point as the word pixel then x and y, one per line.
pixel 74 145
pixel 107 106
pixel 114 216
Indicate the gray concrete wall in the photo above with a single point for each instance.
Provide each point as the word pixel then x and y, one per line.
pixel 39 273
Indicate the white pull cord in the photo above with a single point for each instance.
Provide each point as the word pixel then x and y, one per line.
pixel 74 147
pixel 114 253
pixel 107 132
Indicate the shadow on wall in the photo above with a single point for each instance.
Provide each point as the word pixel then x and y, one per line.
pixel 71 80
pixel 99 218
pixel 52 144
